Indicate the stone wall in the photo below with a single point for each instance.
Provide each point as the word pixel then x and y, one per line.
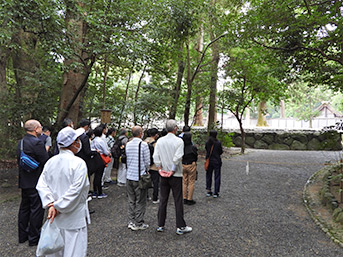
pixel 289 140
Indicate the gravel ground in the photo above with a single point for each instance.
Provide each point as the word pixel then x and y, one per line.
pixel 259 213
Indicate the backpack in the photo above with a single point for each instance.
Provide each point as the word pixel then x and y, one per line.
pixel 151 149
pixel 118 151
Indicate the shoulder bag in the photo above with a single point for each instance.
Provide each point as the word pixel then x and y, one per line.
pixel 207 162
pixel 144 181
pixel 26 162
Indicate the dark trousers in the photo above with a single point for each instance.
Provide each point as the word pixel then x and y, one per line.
pixel 30 216
pixel 155 177
pixel 98 167
pixel 217 169
pixel 175 184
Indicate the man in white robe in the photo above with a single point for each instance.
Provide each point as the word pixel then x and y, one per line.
pixel 63 188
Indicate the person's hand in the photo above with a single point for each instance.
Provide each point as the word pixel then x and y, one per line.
pixel 166 174
pixel 52 212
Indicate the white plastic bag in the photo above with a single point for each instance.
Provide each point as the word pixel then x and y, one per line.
pixel 51 240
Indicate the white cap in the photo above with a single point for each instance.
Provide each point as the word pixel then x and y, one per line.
pixel 67 136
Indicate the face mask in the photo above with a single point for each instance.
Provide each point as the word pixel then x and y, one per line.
pixel 78 148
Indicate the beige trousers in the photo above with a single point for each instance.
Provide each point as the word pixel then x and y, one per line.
pixel 189 176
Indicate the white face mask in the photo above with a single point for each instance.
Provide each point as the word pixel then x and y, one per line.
pixel 78 148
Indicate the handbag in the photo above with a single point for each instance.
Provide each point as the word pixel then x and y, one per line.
pixel 50 241
pixel 26 162
pixel 207 161
pixel 144 181
pixel 105 158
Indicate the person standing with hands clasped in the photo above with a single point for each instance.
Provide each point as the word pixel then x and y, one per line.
pixel 138 162
pixel 214 150
pixel 167 157
pixel 63 188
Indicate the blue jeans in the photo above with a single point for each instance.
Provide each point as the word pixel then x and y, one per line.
pixel 217 169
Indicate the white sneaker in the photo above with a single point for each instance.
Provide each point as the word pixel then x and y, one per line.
pixel 156 202
pixel 140 227
pixel 130 225
pixel 181 231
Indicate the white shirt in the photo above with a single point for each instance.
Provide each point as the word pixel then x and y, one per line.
pixel 168 153
pixel 64 181
pixel 132 158
pixel 99 144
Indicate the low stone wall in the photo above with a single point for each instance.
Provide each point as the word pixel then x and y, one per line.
pixel 289 140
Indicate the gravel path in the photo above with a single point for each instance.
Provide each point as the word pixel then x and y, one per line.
pixel 259 213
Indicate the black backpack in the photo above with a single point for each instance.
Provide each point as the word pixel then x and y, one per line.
pixel 118 149
pixel 151 149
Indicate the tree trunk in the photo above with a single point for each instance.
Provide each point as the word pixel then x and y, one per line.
pixel 198 118
pixel 25 68
pixel 125 99
pixel 74 79
pixel 4 53
pixel 177 88
pixel 239 119
pixel 189 89
pixel 282 109
pixel 136 97
pixel 261 120
pixel 213 86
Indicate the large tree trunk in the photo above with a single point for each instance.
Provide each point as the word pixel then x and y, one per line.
pixel 198 118
pixel 213 86
pixel 26 66
pixel 125 99
pixel 177 88
pixel 261 120
pixel 282 109
pixel 4 53
pixel 189 89
pixel 74 79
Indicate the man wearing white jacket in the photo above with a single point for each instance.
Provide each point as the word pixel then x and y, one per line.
pixel 63 188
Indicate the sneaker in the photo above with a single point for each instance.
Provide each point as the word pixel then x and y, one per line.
pixel 181 231
pixel 209 194
pixel 110 182
pixel 102 196
pixel 191 202
pixel 105 187
pixel 121 184
pixel 215 195
pixel 89 198
pixel 140 227
pixel 130 225
pixel 160 229
pixel 156 202
pixel 94 195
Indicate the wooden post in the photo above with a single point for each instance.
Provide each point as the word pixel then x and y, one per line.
pixel 105 116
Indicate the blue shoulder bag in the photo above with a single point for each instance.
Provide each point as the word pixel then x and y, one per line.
pixel 26 162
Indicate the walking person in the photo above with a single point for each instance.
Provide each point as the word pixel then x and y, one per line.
pixel 138 162
pixel 214 150
pixel 122 140
pixel 167 157
pixel 189 167
pixel 63 188
pixel 31 213
pixel 155 176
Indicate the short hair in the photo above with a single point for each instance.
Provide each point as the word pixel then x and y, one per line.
pixel 46 128
pixel 136 130
pixel 186 128
pixel 98 131
pixel 123 131
pixel 67 122
pixel 152 132
pixel 31 125
pixel 110 131
pixel 164 132
pixel 213 133
pixel 187 138
pixel 171 125
pixel 84 123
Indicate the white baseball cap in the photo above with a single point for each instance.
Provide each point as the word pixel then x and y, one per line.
pixel 67 136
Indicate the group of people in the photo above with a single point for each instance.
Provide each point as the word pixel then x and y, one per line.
pixel 61 183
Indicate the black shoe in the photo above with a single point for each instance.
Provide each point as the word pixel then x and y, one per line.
pixel 191 202
pixel 185 201
pixel 91 211
pixel 23 240
pixel 33 243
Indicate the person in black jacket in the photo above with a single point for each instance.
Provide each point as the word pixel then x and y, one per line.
pixel 189 167
pixel 214 150
pixel 31 213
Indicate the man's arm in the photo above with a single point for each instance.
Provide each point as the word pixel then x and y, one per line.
pixel 40 152
pixel 178 154
pixel 156 155
pixel 146 155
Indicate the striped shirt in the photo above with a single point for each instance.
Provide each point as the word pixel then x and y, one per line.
pixel 132 158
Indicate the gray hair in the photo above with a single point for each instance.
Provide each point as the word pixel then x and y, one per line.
pixel 171 125
pixel 31 125
pixel 136 131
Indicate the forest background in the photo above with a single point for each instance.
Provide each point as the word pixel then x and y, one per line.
pixel 156 59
